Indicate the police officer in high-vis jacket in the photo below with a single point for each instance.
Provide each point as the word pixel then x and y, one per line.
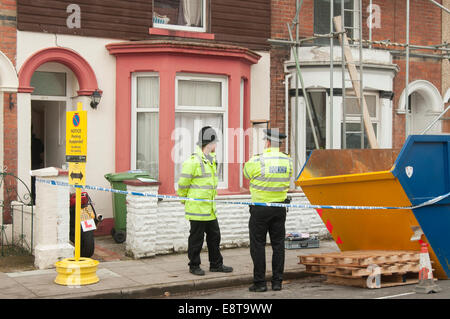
pixel 269 174
pixel 199 180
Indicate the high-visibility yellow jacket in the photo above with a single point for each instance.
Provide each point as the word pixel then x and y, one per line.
pixel 269 174
pixel 199 180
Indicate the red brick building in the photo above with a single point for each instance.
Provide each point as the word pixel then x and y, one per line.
pixel 389 23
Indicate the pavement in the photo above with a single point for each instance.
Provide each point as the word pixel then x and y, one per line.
pixel 161 275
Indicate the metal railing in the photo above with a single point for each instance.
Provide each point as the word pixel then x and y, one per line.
pixel 17 218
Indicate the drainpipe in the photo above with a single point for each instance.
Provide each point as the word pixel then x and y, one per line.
pixel 286 109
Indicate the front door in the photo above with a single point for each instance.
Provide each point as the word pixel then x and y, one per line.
pixel 421 115
pixel 48 141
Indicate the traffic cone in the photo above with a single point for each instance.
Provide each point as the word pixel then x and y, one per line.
pixel 426 281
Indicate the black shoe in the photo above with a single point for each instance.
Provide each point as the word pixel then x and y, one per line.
pixel 276 286
pixel 221 269
pixel 256 288
pixel 197 271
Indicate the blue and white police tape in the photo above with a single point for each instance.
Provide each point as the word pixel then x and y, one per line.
pixel 99 188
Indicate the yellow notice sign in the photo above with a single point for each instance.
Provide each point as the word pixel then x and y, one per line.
pixel 77 173
pixel 76 136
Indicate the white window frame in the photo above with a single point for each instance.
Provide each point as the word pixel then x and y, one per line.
pixel 355 18
pixel 357 119
pixel 202 109
pixel 182 27
pixel 135 110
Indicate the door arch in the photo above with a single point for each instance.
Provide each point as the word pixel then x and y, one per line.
pixel 83 71
pixel 87 84
pixel 426 102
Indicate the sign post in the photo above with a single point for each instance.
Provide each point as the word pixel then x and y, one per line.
pixel 76 153
pixel 77 270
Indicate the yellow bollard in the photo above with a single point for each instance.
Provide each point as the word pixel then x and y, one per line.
pixel 79 272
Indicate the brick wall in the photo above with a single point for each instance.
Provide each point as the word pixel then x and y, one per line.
pixel 8 15
pixel 8 45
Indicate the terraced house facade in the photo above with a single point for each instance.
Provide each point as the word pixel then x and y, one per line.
pixel 164 68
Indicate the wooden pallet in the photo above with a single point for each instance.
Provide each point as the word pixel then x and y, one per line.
pixel 360 271
pixel 361 258
pixel 385 280
pixel 355 267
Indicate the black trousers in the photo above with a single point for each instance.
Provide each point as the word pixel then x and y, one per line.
pixel 195 243
pixel 263 220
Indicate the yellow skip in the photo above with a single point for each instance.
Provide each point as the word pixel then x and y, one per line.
pixel 76 273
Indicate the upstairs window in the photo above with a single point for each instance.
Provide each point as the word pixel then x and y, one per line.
pixel 322 18
pixel 187 15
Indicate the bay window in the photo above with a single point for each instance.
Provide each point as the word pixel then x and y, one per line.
pixel 200 101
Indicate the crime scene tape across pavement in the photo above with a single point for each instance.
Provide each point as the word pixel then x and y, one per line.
pixel 104 189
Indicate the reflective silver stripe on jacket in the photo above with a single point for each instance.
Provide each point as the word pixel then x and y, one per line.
pixel 202 165
pixel 245 172
pixel 192 176
pixel 271 179
pixel 194 214
pixel 269 189
pixel 278 157
pixel 263 165
pixel 196 187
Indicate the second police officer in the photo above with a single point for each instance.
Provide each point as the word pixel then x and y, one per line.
pixel 269 174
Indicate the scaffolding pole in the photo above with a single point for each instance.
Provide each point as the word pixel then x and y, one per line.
pixel 370 23
pixel 362 100
pixel 331 140
pixel 440 6
pixel 343 62
pixel 407 112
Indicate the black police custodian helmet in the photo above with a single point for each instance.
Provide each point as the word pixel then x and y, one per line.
pixel 274 135
pixel 207 135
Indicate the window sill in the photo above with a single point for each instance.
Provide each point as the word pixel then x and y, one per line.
pixel 182 34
